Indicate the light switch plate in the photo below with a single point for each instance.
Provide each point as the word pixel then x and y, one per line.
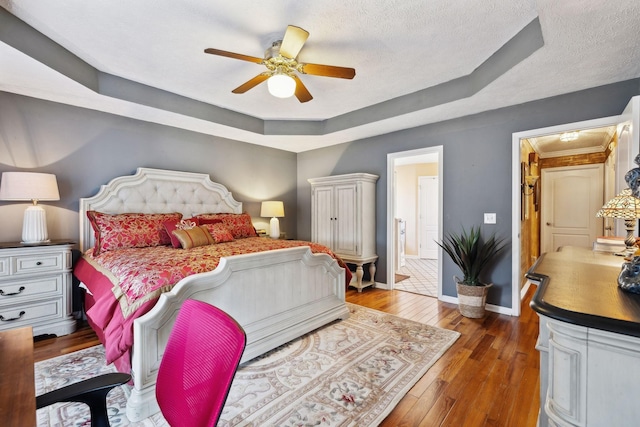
pixel 489 218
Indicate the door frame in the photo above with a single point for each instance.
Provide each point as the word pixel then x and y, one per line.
pixel 516 293
pixel 437 152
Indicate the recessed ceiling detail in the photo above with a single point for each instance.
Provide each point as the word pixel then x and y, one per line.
pixel 515 50
pixel 416 62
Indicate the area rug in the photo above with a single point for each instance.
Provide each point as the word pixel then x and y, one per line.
pixel 348 373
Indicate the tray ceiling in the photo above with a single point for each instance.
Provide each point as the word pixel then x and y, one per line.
pixel 416 62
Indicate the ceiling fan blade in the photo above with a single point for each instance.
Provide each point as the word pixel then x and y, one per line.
pixel 327 71
pixel 301 93
pixel 292 41
pixel 252 83
pixel 234 55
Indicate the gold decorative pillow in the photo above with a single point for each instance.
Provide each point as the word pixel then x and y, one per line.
pixel 194 237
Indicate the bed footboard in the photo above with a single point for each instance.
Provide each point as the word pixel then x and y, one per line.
pixel 276 296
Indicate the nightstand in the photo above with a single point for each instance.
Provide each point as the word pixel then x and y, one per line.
pixel 35 287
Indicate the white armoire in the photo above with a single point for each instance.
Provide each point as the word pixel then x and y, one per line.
pixel 343 217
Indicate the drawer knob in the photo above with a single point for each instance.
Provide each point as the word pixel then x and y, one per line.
pixel 22 313
pixel 39 263
pixel 22 288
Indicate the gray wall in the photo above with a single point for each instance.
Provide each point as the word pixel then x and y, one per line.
pixel 86 148
pixel 476 167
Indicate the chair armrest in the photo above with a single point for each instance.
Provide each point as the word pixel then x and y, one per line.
pixel 78 392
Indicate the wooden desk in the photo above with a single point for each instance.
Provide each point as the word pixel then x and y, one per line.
pixel 17 384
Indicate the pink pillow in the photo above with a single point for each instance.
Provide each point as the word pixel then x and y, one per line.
pixel 239 225
pixel 219 232
pixel 129 230
pixel 182 224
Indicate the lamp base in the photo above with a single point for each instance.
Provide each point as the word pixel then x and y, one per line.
pixel 34 225
pixel 274 228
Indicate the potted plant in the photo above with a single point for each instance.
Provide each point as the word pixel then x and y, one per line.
pixel 472 254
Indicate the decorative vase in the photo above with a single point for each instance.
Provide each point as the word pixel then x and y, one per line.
pixel 472 299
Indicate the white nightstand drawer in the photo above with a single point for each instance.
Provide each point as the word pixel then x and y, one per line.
pixel 42 287
pixel 36 263
pixel 4 266
pixel 35 286
pixel 26 314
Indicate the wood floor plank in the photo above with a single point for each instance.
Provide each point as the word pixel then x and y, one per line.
pixel 489 377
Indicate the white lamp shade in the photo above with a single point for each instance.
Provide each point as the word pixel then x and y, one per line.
pixel 281 86
pixel 273 209
pixel 20 186
pixel 23 186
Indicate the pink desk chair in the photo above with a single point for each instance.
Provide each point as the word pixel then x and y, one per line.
pixel 198 365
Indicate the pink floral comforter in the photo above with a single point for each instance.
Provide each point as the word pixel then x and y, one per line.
pixel 136 277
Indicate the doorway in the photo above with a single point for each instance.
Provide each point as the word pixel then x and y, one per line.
pixel 625 128
pixel 404 212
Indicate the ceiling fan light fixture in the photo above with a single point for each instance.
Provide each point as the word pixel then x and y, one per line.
pixel 281 85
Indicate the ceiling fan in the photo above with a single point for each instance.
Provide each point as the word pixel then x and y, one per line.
pixel 282 66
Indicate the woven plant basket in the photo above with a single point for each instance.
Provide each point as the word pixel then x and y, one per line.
pixel 472 299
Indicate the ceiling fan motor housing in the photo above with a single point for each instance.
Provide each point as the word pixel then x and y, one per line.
pixel 273 51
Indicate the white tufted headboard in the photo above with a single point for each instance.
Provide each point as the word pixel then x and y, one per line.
pixel 156 191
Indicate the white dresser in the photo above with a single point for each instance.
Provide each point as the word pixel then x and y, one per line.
pixel 589 341
pixel 35 287
pixel 343 217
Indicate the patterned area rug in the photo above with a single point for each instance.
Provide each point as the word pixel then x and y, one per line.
pixel 348 373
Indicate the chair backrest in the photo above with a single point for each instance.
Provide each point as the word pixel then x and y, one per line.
pixel 198 365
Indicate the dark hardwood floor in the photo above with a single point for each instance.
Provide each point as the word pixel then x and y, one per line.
pixel 489 377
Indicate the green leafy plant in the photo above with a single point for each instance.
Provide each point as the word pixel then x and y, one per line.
pixel 471 253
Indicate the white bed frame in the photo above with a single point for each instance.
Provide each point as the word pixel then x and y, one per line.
pixel 276 296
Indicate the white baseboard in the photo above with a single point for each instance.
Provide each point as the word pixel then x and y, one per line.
pixel 382 286
pixel 454 300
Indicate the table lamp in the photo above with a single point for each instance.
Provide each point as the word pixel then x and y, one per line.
pixel 273 209
pixel 623 206
pixel 34 187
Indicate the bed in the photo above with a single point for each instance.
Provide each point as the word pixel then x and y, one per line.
pixel 276 295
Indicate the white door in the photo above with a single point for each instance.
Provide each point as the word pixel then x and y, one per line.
pixel 428 216
pixel 571 196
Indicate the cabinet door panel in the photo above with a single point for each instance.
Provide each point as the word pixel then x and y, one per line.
pixel 322 227
pixel 346 237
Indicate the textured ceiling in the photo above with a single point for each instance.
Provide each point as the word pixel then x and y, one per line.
pixel 416 62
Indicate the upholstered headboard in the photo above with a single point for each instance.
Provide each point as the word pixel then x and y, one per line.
pixel 156 191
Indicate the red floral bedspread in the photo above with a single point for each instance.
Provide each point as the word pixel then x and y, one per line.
pixel 137 277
